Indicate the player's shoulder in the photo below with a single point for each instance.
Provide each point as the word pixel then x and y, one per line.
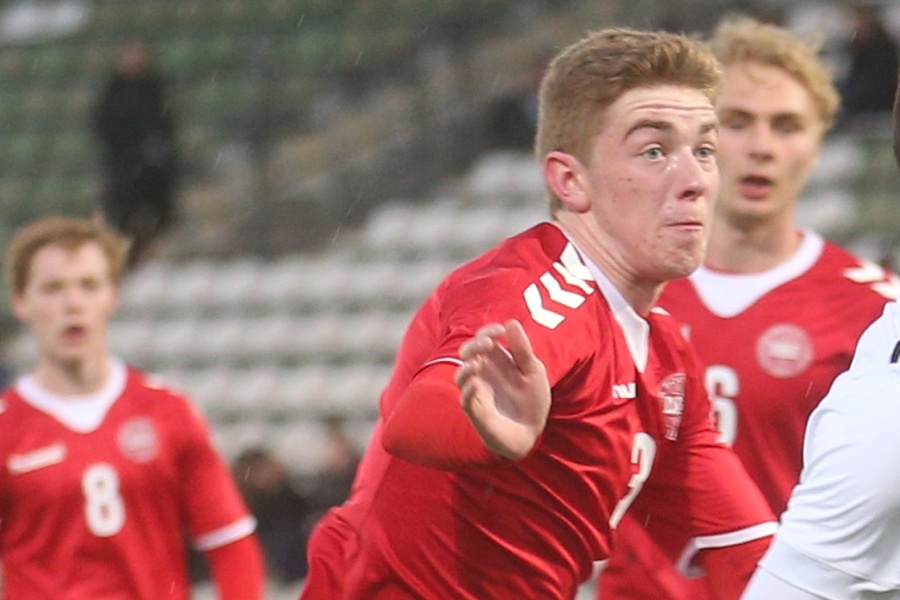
pixel 530 250
pixel 156 387
pixel 663 324
pixel 856 275
pixel 539 267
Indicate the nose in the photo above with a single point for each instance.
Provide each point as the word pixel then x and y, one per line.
pixel 696 177
pixel 760 141
pixel 73 298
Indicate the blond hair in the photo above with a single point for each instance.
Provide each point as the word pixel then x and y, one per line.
pixel 586 78
pixel 742 39
pixel 70 233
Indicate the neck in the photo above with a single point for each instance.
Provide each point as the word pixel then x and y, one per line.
pixel 640 293
pixel 73 378
pixel 753 249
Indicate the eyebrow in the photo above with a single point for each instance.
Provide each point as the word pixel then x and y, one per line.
pixel 649 124
pixel 666 126
pixel 747 114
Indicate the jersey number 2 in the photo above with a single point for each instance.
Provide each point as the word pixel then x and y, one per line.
pixel 643 451
pixel 104 509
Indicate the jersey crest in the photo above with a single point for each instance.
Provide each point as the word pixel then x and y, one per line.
pixel 784 350
pixel 671 394
pixel 138 440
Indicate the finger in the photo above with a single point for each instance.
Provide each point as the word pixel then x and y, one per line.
pixel 483 340
pixel 520 347
pixel 467 370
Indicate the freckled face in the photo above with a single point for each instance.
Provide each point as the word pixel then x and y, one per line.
pixel 653 180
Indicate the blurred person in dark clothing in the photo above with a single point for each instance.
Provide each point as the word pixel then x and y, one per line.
pixel 133 121
pixel 332 483
pixel 874 62
pixel 280 510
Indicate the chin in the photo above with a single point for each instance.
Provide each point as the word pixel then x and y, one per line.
pixel 683 268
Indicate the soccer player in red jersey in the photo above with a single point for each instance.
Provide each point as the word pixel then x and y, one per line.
pixel 840 534
pixel 104 471
pixel 776 311
pixel 537 391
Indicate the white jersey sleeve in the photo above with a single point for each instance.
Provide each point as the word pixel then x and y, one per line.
pixel 840 535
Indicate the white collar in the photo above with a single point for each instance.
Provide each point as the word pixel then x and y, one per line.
pixel 729 294
pixel 635 328
pixel 81 413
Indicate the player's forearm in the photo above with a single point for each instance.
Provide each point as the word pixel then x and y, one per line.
pixel 427 426
pixel 239 569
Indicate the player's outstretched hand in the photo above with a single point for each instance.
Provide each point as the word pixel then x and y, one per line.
pixel 505 393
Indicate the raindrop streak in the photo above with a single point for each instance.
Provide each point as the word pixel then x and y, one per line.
pixel 358 57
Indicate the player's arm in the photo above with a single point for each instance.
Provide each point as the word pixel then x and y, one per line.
pixel 426 425
pixel 505 400
pixel 729 568
pixel 238 569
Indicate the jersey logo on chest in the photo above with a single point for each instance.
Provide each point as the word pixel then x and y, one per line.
pixel 671 395
pixel 784 350
pixel 138 440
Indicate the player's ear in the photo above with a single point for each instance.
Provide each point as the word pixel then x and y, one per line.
pixel 567 178
pixel 19 307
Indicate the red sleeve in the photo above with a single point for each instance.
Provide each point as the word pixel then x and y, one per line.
pixel 211 502
pixel 428 427
pixel 238 569
pixel 729 568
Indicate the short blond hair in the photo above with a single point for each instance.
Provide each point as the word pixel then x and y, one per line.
pixel 70 233
pixel 742 39
pixel 586 78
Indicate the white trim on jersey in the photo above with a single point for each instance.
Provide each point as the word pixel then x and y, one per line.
pixel 82 413
pixel 635 329
pixel 225 535
pixel 718 290
pixel 444 359
pixel 721 540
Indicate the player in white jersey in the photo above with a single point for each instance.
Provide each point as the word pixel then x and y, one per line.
pixel 840 536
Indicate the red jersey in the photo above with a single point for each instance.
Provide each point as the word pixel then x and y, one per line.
pixel 772 344
pixel 98 494
pixel 628 412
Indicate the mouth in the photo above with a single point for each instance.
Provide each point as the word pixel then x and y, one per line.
pixel 74 333
pixel 688 224
pixel 755 186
